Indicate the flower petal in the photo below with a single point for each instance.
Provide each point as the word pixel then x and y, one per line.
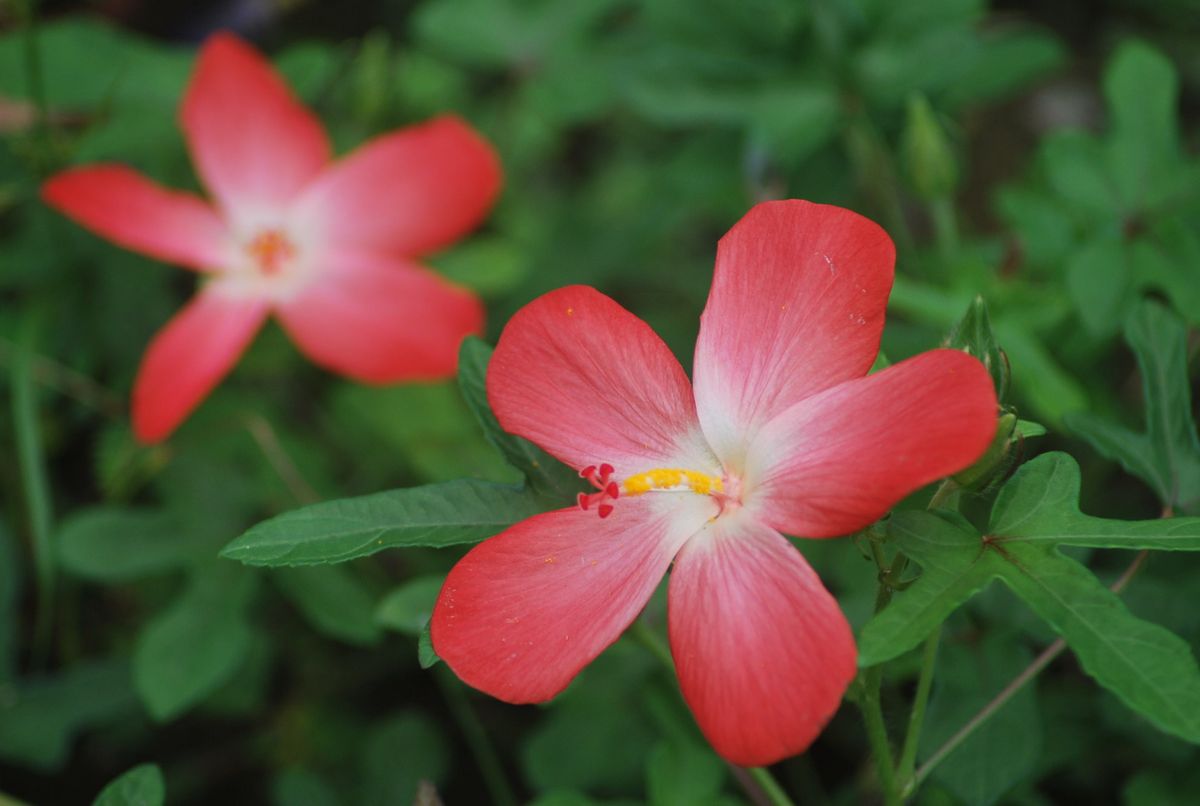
pixel 522 613
pixel 188 357
pixel 128 209
pixel 838 461
pixel 406 193
pixel 763 652
pixel 254 145
pixel 381 320
pixel 797 305
pixel 591 383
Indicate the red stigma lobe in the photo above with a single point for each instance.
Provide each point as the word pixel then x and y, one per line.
pixel 608 490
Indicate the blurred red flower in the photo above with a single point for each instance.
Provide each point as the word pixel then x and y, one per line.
pixel 783 432
pixel 328 247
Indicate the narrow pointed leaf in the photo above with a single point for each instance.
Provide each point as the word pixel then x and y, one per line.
pixel 435 515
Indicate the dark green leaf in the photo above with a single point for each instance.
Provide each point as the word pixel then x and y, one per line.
pixel 197 644
pixel 296 787
pixel 40 718
pixel 545 474
pixel 333 600
pixel 1100 282
pixel 1167 454
pixel 399 754
pixel 141 786
pixel 1007 747
pixel 407 608
pixel 435 515
pixel 426 656
pixel 683 774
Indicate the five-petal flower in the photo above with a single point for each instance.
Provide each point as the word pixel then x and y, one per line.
pixel 783 431
pixel 330 248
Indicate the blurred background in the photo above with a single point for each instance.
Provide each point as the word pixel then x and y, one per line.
pixel 1038 154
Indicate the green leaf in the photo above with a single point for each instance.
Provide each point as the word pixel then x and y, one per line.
pixel 195 645
pixel 407 608
pixel 544 473
pixel 39 719
pixel 333 599
pixel 426 655
pixel 411 739
pixel 683 774
pixel 297 787
pixel 117 544
pixel 1100 283
pixel 141 786
pixel 1007 747
pixel 954 569
pixel 1040 506
pixel 973 335
pixel 1167 454
pixel 1142 91
pixel 435 515
pixel 1149 668
pixel 1029 429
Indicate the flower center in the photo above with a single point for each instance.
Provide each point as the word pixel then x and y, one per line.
pixel 271 250
pixel 663 479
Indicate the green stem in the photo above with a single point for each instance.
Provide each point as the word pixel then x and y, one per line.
pixel 760 777
pixel 881 748
pixel 770 787
pixel 943 492
pixel 912 738
pixel 485 754
pixel 32 464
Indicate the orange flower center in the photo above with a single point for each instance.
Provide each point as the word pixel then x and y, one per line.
pixel 271 250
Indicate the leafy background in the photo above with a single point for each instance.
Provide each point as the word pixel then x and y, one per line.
pixel 1041 156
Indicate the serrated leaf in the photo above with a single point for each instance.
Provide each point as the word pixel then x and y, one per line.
pixel 332 599
pixel 141 786
pixel 195 645
pixel 1166 455
pixel 407 608
pixel 434 515
pixel 40 718
pixel 117 544
pixel 544 473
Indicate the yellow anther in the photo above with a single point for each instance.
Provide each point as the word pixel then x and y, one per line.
pixel 672 479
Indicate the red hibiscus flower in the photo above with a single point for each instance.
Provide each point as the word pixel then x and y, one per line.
pixel 782 432
pixel 328 247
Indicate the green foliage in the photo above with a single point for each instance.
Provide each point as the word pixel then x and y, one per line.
pixel 435 515
pixel 141 786
pixel 1167 454
pixel 1149 668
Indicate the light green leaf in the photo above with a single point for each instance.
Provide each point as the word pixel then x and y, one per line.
pixel 40 718
pixel 435 515
pixel 1167 454
pixel 1142 91
pixel 544 473
pixel 973 335
pixel 1029 429
pixel 117 544
pixel 407 608
pixel 1100 282
pixel 141 786
pixel 333 600
pixel 198 643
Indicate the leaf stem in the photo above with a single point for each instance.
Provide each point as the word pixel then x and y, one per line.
pixel 770 787
pixel 264 435
pixel 1016 684
pixel 881 748
pixel 485 754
